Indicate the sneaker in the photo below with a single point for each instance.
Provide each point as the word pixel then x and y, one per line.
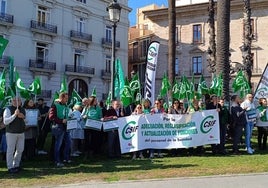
pixel 67 161
pixel 250 151
pixel 59 165
pixel 42 152
pixel 13 170
pixel 74 155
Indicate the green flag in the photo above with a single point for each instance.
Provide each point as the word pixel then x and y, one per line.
pixel 220 85
pixel 94 92
pixel 190 91
pixel 24 93
pixel 2 84
pixel 165 86
pixel 183 88
pixel 126 97
pixel 3 45
pixel 239 81
pixel 63 85
pixel 214 85
pixel 55 96
pixel 108 101
pixel 202 88
pixel 35 87
pixel 118 79
pixel 75 98
pixel 176 90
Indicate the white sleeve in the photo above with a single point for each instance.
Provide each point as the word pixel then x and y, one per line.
pixel 8 118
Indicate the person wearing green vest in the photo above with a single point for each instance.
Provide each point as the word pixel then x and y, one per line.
pixel 59 114
pixel 262 124
pixel 14 117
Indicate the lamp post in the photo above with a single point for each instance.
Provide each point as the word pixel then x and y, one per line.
pixel 114 10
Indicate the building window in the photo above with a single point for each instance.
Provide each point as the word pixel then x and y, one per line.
pixel 197 33
pixel 144 47
pixel 197 64
pixel 108 31
pixel 108 63
pixel 78 58
pixel 41 52
pixel 3 6
pixel 80 24
pixel 145 26
pixel 177 67
pixel 82 1
pixel 43 15
pixel 177 35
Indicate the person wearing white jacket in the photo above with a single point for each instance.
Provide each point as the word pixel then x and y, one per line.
pixel 251 116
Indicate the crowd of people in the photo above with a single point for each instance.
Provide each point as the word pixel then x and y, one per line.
pixel 23 141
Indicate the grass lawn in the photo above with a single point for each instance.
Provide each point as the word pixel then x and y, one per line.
pixel 40 171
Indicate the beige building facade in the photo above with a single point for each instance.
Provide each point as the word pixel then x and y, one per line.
pixel 192 38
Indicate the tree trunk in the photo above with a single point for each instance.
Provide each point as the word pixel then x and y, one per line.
pixel 171 42
pixel 246 50
pixel 223 42
pixel 212 43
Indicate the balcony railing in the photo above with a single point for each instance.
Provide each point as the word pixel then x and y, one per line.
pixel 6 18
pixel 43 27
pixel 4 61
pixel 47 94
pixel 106 75
pixel 41 64
pixel 108 42
pixel 79 69
pixel 82 36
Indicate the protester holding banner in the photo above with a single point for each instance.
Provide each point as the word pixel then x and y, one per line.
pixel 146 106
pixel 238 120
pixel 251 116
pixel 138 111
pixel 116 111
pixel 93 112
pixel 14 116
pixel 76 134
pixel 31 129
pixel 157 110
pixel 59 115
pixel 176 108
pixel 219 148
pixel 262 124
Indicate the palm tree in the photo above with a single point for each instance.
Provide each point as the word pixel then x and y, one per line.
pixel 171 42
pixel 223 43
pixel 212 43
pixel 246 48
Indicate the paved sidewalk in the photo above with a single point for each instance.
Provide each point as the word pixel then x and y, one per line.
pixel 226 181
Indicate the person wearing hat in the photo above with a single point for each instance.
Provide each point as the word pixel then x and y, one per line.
pixel 78 133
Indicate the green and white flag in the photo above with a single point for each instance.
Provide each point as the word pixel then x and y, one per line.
pixel 24 93
pixel 165 86
pixel 3 45
pixel 63 85
pixel 35 87
pixel 126 97
pixel 118 79
pixel 2 84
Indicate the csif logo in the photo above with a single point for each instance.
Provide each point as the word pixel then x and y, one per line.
pixel 152 53
pixel 129 130
pixel 207 124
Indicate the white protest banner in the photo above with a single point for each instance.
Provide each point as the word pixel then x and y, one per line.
pixel 72 124
pixel 167 131
pixel 31 117
pixel 152 56
pixel 110 125
pixel 262 88
pixel 93 124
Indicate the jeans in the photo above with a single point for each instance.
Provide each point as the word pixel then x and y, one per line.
pixel 249 128
pixel 61 135
pixel 3 145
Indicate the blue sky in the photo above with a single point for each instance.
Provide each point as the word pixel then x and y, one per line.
pixel 134 4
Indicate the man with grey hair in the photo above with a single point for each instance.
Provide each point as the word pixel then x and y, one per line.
pixel 14 116
pixel 251 116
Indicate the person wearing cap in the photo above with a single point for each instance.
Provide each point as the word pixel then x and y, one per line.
pixel 78 133
pixel 14 117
